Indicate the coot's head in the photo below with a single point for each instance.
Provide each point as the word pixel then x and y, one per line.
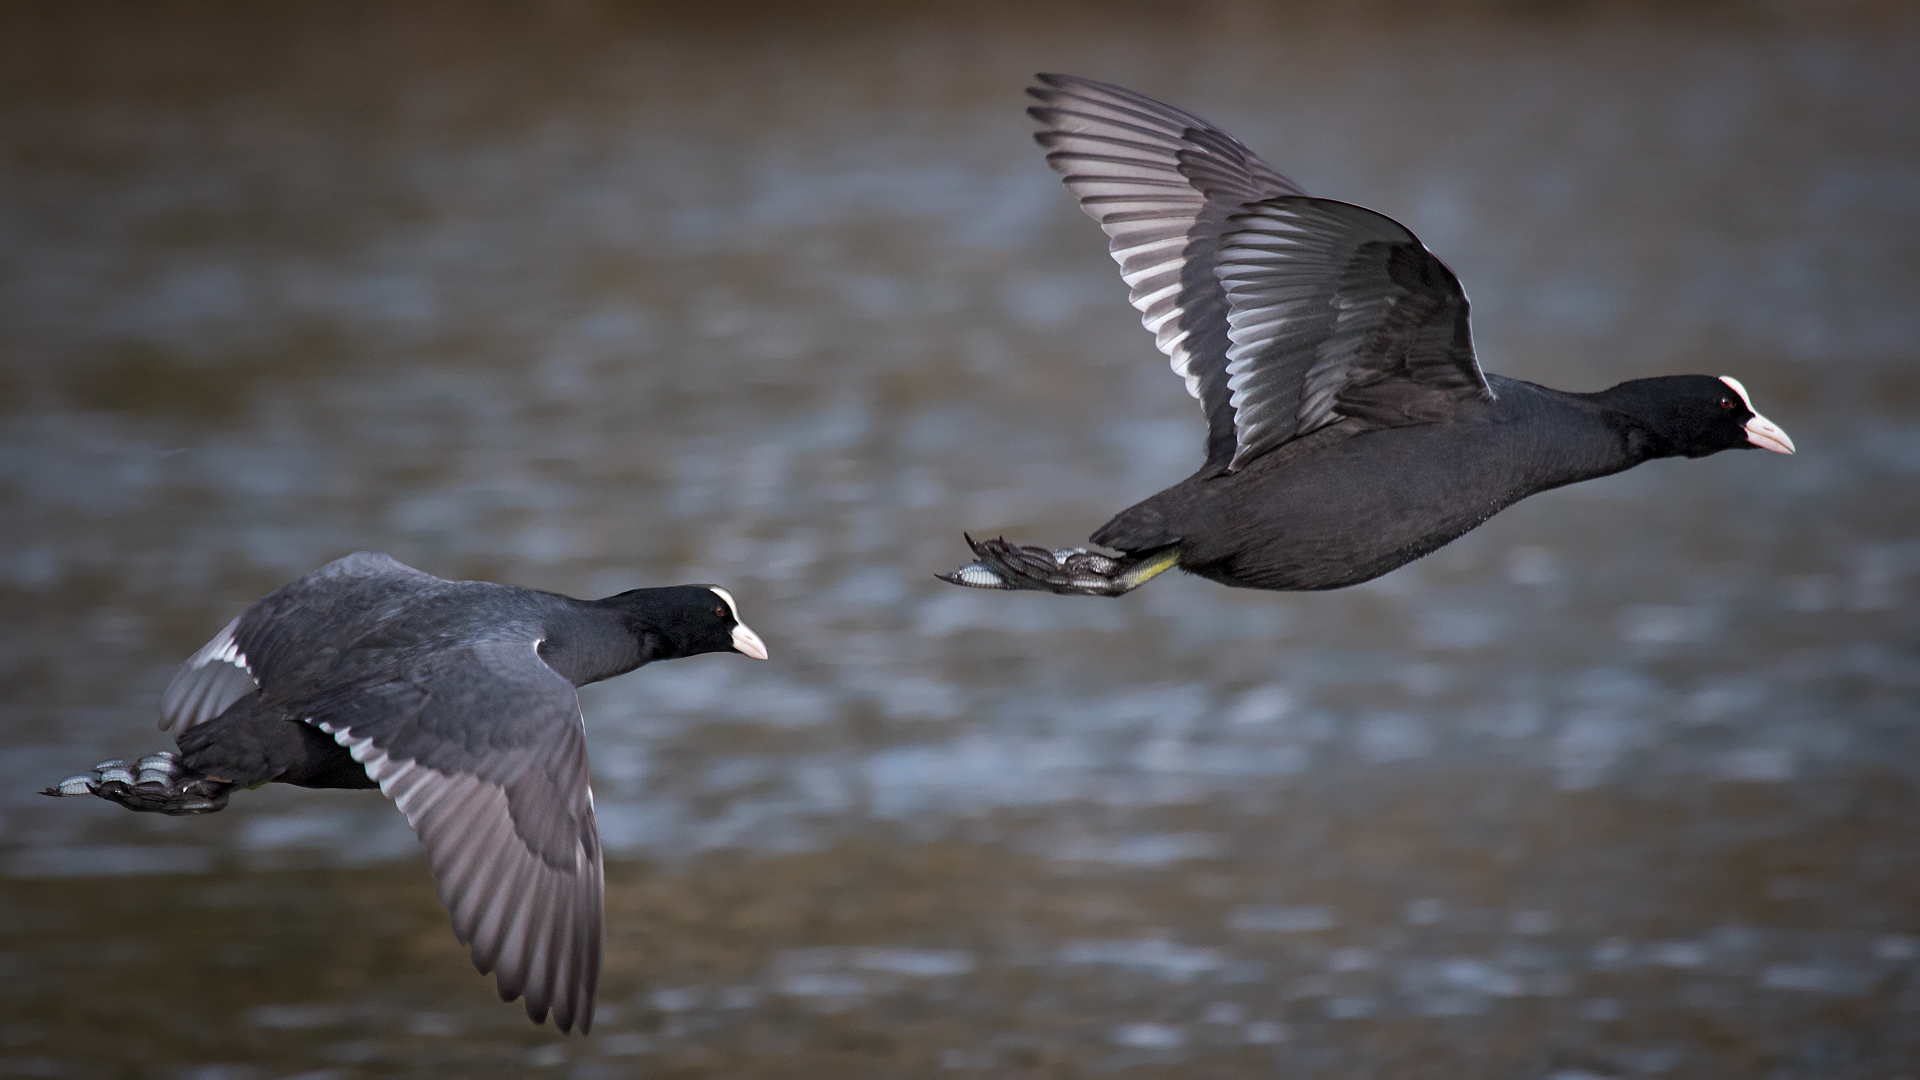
pixel 687 620
pixel 1697 415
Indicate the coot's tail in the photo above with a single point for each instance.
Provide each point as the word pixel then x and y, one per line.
pixel 159 784
pixel 1067 572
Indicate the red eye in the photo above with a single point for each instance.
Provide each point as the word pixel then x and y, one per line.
pixel 1726 403
pixel 720 613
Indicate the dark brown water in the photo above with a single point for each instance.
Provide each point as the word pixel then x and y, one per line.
pixel 1622 784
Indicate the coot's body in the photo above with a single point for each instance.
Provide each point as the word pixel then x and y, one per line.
pixel 457 700
pixel 1350 429
pixel 1402 492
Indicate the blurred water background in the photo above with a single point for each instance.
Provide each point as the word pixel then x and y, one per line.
pixel 590 296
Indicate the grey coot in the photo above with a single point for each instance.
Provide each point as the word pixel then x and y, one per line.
pixel 1349 428
pixel 457 700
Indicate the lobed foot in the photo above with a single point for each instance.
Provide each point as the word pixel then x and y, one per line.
pixel 1067 571
pixel 158 785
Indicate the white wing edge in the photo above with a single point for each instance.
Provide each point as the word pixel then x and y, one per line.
pixel 186 696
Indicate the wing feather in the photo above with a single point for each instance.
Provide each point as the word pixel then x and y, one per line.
pixel 507 823
pixel 1283 313
pixel 211 680
pixel 256 649
pixel 1161 182
pixel 1337 312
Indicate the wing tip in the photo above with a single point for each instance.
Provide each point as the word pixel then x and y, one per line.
pixel 568 1018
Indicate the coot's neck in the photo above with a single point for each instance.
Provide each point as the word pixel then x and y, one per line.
pixel 592 640
pixel 1564 438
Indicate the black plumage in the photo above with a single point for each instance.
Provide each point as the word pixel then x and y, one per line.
pixel 1349 428
pixel 457 700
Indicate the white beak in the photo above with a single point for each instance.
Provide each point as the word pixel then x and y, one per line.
pixel 1767 435
pixel 1761 431
pixel 748 642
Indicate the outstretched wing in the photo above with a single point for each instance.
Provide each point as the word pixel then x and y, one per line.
pixel 213 678
pixel 1283 313
pixel 1339 312
pixel 483 750
pixel 1162 183
pixel 257 648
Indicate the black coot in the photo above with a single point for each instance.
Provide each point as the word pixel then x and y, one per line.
pixel 456 699
pixel 1349 428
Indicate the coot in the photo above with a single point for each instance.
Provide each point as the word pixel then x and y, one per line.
pixel 456 699
pixel 1349 428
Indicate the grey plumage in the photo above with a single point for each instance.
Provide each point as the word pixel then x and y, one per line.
pixel 1162 183
pixel 1273 305
pixel 457 699
pixel 212 679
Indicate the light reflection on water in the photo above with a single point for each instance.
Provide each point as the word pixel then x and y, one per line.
pixel 1620 784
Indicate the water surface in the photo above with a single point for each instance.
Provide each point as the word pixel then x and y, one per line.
pixel 1621 784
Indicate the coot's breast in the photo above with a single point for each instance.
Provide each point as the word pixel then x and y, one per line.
pixel 1363 506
